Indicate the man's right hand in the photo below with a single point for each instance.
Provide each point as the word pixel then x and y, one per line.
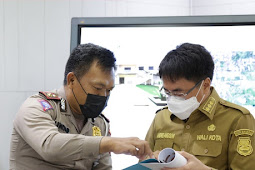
pixel 129 146
pixel 192 164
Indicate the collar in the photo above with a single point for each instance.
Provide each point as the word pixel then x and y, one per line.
pixel 208 107
pixel 61 93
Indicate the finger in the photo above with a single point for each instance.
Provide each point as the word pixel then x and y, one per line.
pixel 133 151
pixel 155 154
pixel 140 149
pixel 147 150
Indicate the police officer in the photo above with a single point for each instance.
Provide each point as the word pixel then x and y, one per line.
pixel 64 128
pixel 209 131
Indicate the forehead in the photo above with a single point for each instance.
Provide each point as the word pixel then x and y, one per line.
pixel 96 75
pixel 181 83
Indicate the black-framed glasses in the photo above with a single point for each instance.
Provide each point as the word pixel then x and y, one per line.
pixel 182 95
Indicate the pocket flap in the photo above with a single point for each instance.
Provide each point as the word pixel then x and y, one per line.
pixel 206 148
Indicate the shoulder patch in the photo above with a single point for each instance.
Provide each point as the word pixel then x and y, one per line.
pixel 50 95
pixel 107 120
pixel 45 104
pixel 161 109
pixel 234 106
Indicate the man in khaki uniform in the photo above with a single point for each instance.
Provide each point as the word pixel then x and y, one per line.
pixel 196 120
pixel 64 128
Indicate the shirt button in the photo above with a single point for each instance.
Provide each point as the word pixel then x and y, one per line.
pixel 188 127
pixel 182 149
pixel 206 150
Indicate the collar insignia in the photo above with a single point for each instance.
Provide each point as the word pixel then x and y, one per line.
pixel 63 105
pixel 210 104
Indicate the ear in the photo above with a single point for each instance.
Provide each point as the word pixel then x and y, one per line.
pixel 207 84
pixel 70 79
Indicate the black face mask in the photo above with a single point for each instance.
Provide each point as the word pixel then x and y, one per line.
pixel 94 104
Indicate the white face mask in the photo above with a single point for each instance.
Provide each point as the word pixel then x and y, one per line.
pixel 183 108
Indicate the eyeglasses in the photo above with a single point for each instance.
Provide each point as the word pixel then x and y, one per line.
pixel 178 94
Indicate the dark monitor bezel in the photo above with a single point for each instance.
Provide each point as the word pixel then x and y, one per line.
pixel 165 21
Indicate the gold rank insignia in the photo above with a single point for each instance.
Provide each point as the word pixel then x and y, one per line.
pixel 209 105
pixel 244 146
pixel 96 131
pixel 211 128
pixel 50 95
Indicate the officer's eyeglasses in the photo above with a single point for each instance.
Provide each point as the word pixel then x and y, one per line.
pixel 178 94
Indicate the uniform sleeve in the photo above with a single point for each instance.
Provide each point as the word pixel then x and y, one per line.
pixel 150 135
pixel 104 163
pixel 38 129
pixel 242 143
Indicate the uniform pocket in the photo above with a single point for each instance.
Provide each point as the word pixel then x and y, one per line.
pixel 163 143
pixel 206 148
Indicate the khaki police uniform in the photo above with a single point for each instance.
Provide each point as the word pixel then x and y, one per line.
pixel 218 133
pixel 46 136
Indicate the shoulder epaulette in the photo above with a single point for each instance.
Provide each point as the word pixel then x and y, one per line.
pixel 107 120
pixel 50 95
pixel 234 106
pixel 161 109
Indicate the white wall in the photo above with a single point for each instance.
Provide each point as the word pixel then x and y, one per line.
pixel 35 41
pixel 222 7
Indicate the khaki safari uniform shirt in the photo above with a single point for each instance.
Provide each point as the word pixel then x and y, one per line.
pixel 46 136
pixel 218 133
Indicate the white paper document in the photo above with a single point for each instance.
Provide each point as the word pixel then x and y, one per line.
pixel 168 157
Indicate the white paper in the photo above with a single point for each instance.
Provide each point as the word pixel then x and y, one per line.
pixel 171 158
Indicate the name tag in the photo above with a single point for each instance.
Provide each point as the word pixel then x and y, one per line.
pixel 209 137
pixel 165 135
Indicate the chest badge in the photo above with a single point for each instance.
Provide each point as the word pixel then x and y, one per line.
pixel 211 128
pixel 244 146
pixel 96 131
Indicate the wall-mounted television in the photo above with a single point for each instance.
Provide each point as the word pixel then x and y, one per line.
pixel 140 43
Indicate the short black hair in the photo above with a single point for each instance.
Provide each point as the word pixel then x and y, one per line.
pixel 190 61
pixel 84 55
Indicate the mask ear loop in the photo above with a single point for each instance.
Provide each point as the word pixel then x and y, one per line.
pixel 81 86
pixel 75 97
pixel 199 91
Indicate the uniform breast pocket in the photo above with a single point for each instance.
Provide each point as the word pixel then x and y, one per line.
pixel 163 143
pixel 206 148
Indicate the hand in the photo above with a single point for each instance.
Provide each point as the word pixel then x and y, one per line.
pixel 129 146
pixel 192 163
pixel 155 154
